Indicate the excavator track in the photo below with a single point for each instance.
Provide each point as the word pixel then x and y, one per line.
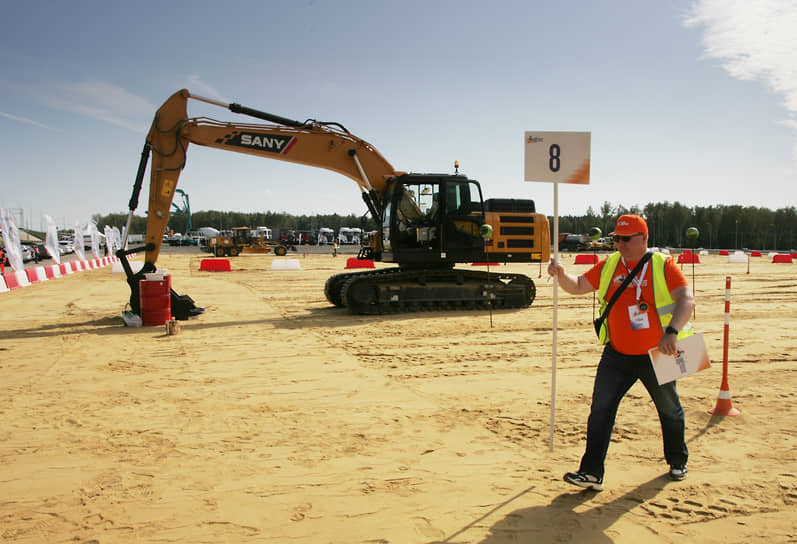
pixel 394 290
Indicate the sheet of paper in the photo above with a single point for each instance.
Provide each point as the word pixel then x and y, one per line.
pixel 692 357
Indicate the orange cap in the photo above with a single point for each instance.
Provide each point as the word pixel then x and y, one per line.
pixel 630 224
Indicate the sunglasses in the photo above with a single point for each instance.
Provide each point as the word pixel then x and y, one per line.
pixel 618 238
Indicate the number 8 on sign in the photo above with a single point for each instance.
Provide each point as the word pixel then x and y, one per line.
pixel 553 162
pixel 561 157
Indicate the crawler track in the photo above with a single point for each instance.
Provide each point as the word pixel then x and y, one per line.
pixel 394 290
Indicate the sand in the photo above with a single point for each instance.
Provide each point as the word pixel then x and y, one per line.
pixel 277 418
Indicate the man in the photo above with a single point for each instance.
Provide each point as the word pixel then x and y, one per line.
pixel 653 311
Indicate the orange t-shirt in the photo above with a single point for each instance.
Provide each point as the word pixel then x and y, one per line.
pixel 622 336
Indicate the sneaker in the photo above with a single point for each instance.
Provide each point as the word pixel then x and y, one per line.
pixel 678 473
pixel 582 479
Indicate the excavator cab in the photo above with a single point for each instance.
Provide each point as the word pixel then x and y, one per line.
pixel 432 220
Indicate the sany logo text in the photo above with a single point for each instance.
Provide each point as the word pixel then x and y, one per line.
pixel 275 143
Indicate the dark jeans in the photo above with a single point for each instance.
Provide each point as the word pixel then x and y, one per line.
pixel 616 374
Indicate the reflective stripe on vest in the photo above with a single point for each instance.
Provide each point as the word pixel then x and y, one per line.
pixel 663 302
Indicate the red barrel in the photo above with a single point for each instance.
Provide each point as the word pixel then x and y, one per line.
pixel 156 300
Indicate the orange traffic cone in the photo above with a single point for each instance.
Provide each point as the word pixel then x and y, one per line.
pixel 724 406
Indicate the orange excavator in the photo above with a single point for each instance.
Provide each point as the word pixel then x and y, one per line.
pixel 427 223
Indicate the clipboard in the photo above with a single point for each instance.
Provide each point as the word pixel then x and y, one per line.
pixel 692 358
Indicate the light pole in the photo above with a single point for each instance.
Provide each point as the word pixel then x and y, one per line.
pixel 736 246
pixel 708 229
pixel 774 238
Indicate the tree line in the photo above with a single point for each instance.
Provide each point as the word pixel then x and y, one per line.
pixel 721 226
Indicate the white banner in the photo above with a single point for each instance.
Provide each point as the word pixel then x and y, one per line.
pixel 117 239
pixel 79 241
pixel 94 235
pixel 51 241
pixel 110 242
pixel 11 240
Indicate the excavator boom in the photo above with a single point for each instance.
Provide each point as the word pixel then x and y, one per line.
pixel 323 145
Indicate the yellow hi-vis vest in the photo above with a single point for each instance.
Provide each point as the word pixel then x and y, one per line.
pixel 662 300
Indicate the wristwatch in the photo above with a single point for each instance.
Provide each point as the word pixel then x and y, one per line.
pixel 671 330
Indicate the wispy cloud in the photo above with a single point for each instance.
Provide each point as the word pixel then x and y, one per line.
pixel 101 101
pixel 197 86
pixel 106 102
pixel 754 39
pixel 27 121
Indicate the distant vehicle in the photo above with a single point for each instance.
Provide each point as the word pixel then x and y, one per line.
pixel 603 244
pixel 27 253
pixel 199 238
pixel 208 232
pixel 573 242
pixel 350 235
pixel 183 240
pixel 296 237
pixel 43 253
pixel 262 232
pixel 244 240
pixel 67 246
pixel 325 236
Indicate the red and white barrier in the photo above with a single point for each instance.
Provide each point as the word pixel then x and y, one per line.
pixel 35 275
pixel 29 276
pixel 16 279
pixel 53 271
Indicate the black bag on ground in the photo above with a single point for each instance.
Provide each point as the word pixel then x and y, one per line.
pixel 183 306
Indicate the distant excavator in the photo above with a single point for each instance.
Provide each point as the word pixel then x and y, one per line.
pixel 427 223
pixel 184 210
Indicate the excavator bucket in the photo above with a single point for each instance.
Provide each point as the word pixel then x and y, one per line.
pixel 182 306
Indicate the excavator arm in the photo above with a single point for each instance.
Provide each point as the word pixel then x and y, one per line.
pixel 323 145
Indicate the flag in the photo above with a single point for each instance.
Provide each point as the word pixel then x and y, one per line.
pixel 51 241
pixel 11 240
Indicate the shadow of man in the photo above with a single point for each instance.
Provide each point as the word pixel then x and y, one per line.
pixel 560 522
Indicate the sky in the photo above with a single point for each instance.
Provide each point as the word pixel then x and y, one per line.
pixel 693 101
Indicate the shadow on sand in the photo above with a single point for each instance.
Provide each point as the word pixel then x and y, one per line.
pixel 563 520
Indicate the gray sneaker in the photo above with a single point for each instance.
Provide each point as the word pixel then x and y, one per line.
pixel 582 479
pixel 678 473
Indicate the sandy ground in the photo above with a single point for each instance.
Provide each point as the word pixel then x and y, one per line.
pixel 277 418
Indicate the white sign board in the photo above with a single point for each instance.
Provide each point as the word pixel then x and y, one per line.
pixel 558 157
pixel 692 357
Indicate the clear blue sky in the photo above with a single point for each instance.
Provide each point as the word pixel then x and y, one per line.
pixel 689 101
